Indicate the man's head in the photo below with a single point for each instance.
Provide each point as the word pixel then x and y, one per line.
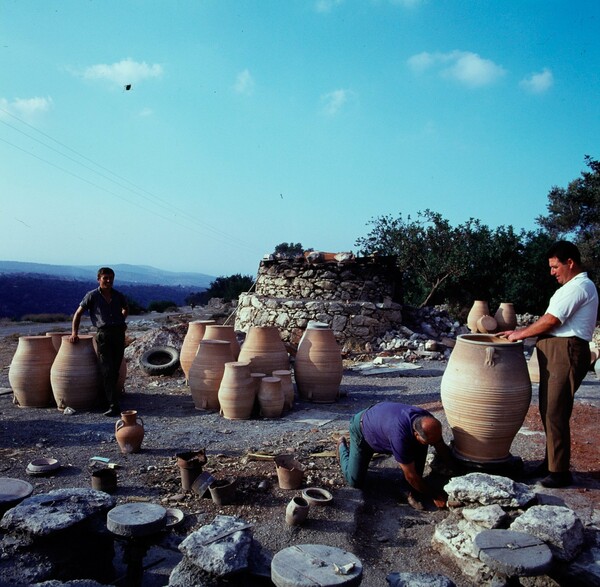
pixel 564 260
pixel 427 430
pixel 106 276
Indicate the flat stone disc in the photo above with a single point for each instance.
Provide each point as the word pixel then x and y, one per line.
pixel 136 519
pixel 307 565
pixel 12 491
pixel 516 554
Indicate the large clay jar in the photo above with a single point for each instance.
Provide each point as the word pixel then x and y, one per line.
pixel 129 432
pixel 533 366
pixel 189 348
pixel 75 374
pixel 237 391
pixel 270 397
pixel 506 317
pixel 207 371
pixel 57 338
pixel 287 387
pixel 318 368
pixel 29 372
pixel 223 332
pixel 265 350
pixel 485 392
pixel 478 309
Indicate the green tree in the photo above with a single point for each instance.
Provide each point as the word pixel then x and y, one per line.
pixel 229 288
pixel 161 306
pixel 289 249
pixel 574 213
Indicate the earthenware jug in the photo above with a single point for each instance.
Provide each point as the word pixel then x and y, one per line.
pixel 506 317
pixel 487 325
pixel 207 371
pixel 29 372
pixel 75 374
pixel 270 397
pixel 189 348
pixel 485 392
pixel 287 387
pixel 478 309
pixel 318 368
pixel 265 350
pixel 237 391
pixel 223 332
pixel 296 511
pixel 289 472
pixel 129 431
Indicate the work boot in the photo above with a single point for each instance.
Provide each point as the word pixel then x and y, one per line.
pixel 556 480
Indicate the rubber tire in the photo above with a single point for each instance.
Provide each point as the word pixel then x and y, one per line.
pixel 160 360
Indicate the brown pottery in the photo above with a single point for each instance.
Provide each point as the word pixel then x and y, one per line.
pixel 237 391
pixel 189 348
pixel 287 387
pixel 478 309
pixel 129 432
pixel 223 332
pixel 264 349
pixel 270 397
pixel 289 472
pixel 207 371
pixel 506 317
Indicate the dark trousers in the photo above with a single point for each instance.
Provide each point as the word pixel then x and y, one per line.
pixel 564 363
pixel 111 348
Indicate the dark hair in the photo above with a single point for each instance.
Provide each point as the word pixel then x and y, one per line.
pixel 563 251
pixel 105 271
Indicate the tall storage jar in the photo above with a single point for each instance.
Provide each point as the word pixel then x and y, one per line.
pixel 237 391
pixel 223 332
pixel 207 371
pixel 189 348
pixel 265 350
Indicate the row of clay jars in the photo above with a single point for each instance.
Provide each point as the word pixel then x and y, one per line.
pixel 479 319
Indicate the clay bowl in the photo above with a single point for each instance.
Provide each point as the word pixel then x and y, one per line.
pixel 42 466
pixel 174 517
pixel 317 496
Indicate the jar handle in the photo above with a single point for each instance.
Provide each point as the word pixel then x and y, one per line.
pixel 142 421
pixel 117 427
pixel 489 356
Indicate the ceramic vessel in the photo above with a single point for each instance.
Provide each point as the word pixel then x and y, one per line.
pixel 57 338
pixel 104 480
pixel 265 350
pixel 270 397
pixel 506 317
pixel 533 367
pixel 129 431
pixel 75 374
pixel 29 372
pixel 296 511
pixel 189 348
pixel 487 325
pixel 318 368
pixel 223 491
pixel 190 465
pixel 237 391
pixel 287 387
pixel 223 332
pixel 207 371
pixel 289 472
pixel 485 392
pixel 478 309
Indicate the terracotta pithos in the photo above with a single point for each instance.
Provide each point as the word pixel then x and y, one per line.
pixel 318 368
pixel 296 511
pixel 75 374
pixel 485 392
pixel 289 472
pixel 189 348
pixel 207 371
pixel 129 431
pixel 237 391
pixel 287 387
pixel 533 366
pixel 223 332
pixel 478 309
pixel 265 350
pixel 270 397
pixel 57 338
pixel 29 372
pixel 506 317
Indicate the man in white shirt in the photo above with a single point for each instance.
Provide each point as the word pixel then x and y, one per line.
pixel 563 351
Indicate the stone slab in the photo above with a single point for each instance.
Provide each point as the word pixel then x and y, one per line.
pixel 514 554
pixel 307 565
pixel 136 519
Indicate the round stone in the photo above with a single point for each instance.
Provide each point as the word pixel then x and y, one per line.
pixel 13 491
pixel 136 519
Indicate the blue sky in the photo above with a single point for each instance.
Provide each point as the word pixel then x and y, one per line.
pixel 251 123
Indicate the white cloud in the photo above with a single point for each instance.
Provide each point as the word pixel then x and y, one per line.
pixel 244 83
pixel 326 5
pixel 333 102
pixel 463 66
pixel 26 108
pixel 537 83
pixel 124 72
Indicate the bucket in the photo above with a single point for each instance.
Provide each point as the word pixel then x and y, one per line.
pixel 289 472
pixel 190 465
pixel 104 480
pixel 222 491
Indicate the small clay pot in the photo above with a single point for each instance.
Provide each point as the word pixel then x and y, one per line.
pixel 222 491
pixel 190 465
pixel 104 480
pixel 296 511
pixel 289 472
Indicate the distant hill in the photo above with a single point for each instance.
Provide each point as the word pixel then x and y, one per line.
pixel 124 273
pixel 35 288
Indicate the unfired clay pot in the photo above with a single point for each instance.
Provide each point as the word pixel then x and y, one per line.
pixel 289 472
pixel 485 392
pixel 478 309
pixel 207 371
pixel 296 511
pixel 189 348
pixel 29 372
pixel 237 391
pixel 270 397
pixel 287 387
pixel 265 350
pixel 223 332
pixel 506 317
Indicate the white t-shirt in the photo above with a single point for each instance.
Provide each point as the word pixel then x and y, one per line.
pixel 575 304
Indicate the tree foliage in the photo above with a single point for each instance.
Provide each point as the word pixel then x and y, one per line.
pixel 289 249
pixel 229 288
pixel 574 213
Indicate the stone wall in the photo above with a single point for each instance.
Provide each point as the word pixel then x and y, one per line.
pixel 354 297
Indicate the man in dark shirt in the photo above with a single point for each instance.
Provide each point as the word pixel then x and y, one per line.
pixel 398 429
pixel 108 310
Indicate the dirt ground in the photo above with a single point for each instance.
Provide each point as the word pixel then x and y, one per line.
pixel 390 536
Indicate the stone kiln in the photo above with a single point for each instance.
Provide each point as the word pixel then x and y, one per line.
pixel 355 297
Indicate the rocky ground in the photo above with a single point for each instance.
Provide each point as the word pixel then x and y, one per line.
pixel 387 535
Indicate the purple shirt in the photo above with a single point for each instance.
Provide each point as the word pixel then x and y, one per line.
pixel 388 428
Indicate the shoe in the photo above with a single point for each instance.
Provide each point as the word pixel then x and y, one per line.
pixel 555 480
pixel 113 411
pixel 340 442
pixel 415 503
